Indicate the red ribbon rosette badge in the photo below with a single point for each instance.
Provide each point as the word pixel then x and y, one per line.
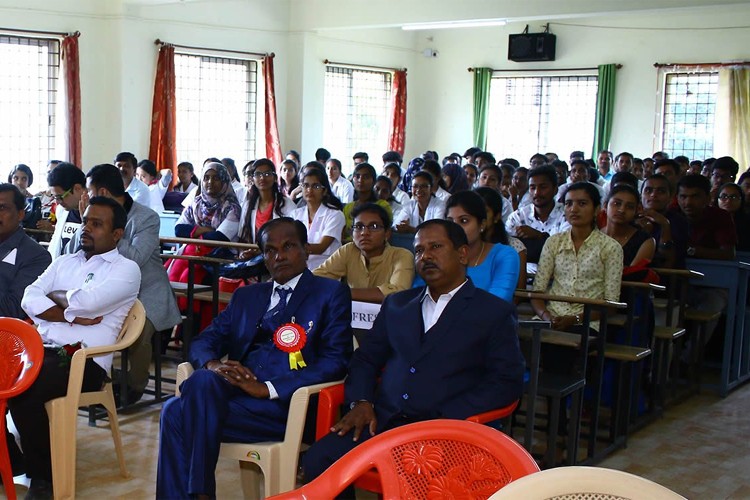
pixel 291 338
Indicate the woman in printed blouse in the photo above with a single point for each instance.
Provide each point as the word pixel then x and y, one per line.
pixel 580 262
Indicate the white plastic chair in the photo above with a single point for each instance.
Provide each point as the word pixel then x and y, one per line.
pixel 275 461
pixel 584 483
pixel 63 412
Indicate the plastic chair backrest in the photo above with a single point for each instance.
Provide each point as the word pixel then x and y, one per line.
pixel 585 483
pixel 438 458
pixel 21 355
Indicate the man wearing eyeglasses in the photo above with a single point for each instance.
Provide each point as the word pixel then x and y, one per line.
pixel 67 184
pixel 369 265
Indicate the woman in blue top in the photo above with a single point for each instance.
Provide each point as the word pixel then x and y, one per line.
pixel 492 266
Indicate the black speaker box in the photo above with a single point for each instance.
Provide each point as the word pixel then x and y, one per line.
pixel 531 47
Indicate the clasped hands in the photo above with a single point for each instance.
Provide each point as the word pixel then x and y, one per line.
pixel 239 376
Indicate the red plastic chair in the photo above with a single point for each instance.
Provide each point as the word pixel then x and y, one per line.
pixel 331 398
pixel 431 459
pixel 21 355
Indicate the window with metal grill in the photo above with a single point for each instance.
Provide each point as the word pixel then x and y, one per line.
pixel 216 100
pixel 537 114
pixel 28 98
pixel 356 113
pixel 689 113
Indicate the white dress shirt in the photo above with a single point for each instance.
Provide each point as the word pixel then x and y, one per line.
pixel 138 190
pixel 442 194
pixel 105 285
pixel 431 310
pixel 292 283
pixel 326 222
pixel 400 196
pixel 343 190
pixel 157 190
pixel 526 216
pixel 410 212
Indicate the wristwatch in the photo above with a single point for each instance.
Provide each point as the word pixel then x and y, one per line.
pixel 691 251
pixel 355 403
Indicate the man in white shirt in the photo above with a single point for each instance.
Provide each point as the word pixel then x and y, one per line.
pixel 448 331
pixel 67 184
pixel 340 186
pixel 127 163
pixel 81 298
pixel 535 223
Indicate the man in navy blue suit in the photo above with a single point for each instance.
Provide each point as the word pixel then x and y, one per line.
pixel 278 337
pixel 447 350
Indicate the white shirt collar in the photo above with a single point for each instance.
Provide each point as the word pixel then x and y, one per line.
pixel 292 283
pixel 450 294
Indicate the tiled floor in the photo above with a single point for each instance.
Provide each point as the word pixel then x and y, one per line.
pixel 700 449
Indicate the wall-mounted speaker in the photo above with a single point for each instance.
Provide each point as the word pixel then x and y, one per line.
pixel 528 47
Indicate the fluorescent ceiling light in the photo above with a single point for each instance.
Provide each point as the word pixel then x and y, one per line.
pixel 470 23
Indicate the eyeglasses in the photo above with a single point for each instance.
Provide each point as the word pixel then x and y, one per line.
pixel 729 197
pixel 316 187
pixel 61 197
pixel 260 175
pixel 417 187
pixel 374 227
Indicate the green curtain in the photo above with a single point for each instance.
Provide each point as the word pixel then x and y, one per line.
pixel 605 108
pixel 482 77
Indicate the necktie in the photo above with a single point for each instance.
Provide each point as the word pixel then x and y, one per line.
pixel 272 319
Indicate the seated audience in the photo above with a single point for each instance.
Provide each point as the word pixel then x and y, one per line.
pixel 237 185
pixel 732 200
pixel 383 187
pixel 454 178
pixel 289 178
pixel 669 228
pixel 214 214
pixel 186 179
pixel 81 300
pixel 439 186
pixel 471 172
pixel 723 170
pixel 578 262
pixel 22 177
pixel 157 182
pixel 638 246
pixel 139 243
pixel 535 223
pixel 491 177
pixel 496 233
pixel 67 183
pixel 127 163
pixel 603 164
pixel 447 350
pixel 423 206
pixel 744 183
pixel 406 180
pixel 264 202
pixel 340 186
pixel 246 398
pixel 519 188
pixel 491 267
pixel 370 266
pixel 562 171
pixel 364 192
pixel 579 172
pixel 321 215
pixel 393 172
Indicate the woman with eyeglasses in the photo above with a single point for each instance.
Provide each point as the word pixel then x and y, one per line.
pixel 364 192
pixel 264 202
pixel 321 215
pixel 422 206
pixel 731 199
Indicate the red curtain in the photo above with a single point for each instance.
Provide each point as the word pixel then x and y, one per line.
pixel 163 148
pixel 273 145
pixel 397 132
pixel 69 56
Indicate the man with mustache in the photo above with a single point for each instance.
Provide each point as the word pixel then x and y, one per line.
pixel 446 350
pixel 81 297
pixel 245 377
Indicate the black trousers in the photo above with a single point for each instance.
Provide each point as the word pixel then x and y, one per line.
pixel 30 416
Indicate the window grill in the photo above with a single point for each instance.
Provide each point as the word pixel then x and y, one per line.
pixel 529 115
pixel 216 101
pixel 689 113
pixel 356 112
pixel 28 100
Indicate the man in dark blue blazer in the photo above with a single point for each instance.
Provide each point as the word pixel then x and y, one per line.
pixel 246 398
pixel 447 350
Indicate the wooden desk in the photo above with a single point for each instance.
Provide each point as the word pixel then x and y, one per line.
pixel 732 276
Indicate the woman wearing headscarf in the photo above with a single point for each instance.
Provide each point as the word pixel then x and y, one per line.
pixel 455 178
pixel 214 214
